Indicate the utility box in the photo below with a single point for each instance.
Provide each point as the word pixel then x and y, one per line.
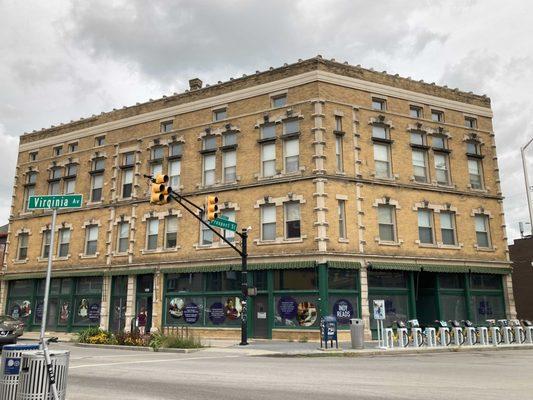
pixel 357 331
pixel 34 382
pixel 328 331
pixel 9 374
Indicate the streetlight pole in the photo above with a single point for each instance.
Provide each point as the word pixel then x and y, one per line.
pixel 526 178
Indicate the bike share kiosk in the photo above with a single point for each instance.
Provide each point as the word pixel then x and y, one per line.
pixel 506 330
pixel 457 333
pixel 416 332
pixel 328 331
pixel 528 327
pixel 469 333
pixel 443 335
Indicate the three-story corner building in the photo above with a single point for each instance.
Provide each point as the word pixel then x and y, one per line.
pixel 358 185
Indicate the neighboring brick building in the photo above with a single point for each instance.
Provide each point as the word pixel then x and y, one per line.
pixel 521 253
pixel 3 240
pixel 358 185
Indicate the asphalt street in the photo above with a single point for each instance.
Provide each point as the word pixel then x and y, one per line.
pixel 219 375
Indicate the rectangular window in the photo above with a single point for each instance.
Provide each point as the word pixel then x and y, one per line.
pixel 54 187
pixel 33 156
pixel 174 170
pixel 471 122
pixel 206 235
pixel 442 169
pixel 99 141
pixel 338 123
pixel 123 237
pixel 379 132
pixel 387 223
pixel 268 131
pixel 268 159
pixel 291 126
pixel 128 159
pixel 425 226
pixel 70 185
pixel 175 150
pixel 279 101
pixel 209 169
pixel 415 112
pixel 22 252
pixel 417 138
pixel 229 235
pixel 339 152
pixel 420 166
pixel 127 182
pixel 99 164
pixel 229 159
pixel 91 240
pixel 474 172
pixel 292 220
pixel 158 153
pixel 46 243
pixel 342 219
pixel 171 232
pixel 56 173
pixel 220 114
pixel 268 222
pixel 292 155
pixel 152 231
pixel 382 160
pixel 482 230
pixel 29 191
pixel 72 147
pixel 437 116
pixel 96 187
pixel 379 104
pixel 209 143
pixel 438 142
pixel 156 168
pixel 473 148
pixel 447 227
pixel 229 139
pixel 64 242
pixel 58 151
pixel 166 126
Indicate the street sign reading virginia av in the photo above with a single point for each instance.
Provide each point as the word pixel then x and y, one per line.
pixel 224 224
pixel 55 201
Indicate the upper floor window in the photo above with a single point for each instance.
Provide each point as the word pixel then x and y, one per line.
pixel 380 132
pixel 56 173
pixel 268 131
pixel 339 139
pixel 33 155
pixel 418 138
pixel 99 141
pixel 54 186
pixel 268 222
pixel 70 179
pixel 166 126
pixel 171 232
pixel 128 159
pixel 382 160
pixel 58 150
pixel 220 114
pixel 471 122
pixel 437 116
pixel 482 230
pixel 158 152
pixel 152 231
pixel 127 174
pixel 292 220
pixel 98 164
pixel 206 235
pixel 447 227
pixel 174 173
pixel 229 139
pixel 415 112
pixel 420 170
pixel 268 159
pixel 439 142
pixel 442 168
pixel 29 188
pixel 45 250
pixel 291 126
pixel 475 173
pixel 279 101
pixel 97 179
pixel 31 178
pixel 123 237
pixel 175 150
pixel 209 142
pixel 387 223
pixel 22 252
pixel 291 149
pixel 72 147
pixel 64 242
pixel 341 210
pixel 425 226
pixel 209 166
pixel 379 104
pixel 473 147
pixel 230 215
pixel 91 240
pixel 229 161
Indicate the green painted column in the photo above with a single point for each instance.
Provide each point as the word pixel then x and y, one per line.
pixel 412 298
pixel 323 289
pixel 271 305
pixel 437 297
pixel 250 309
pixel 468 297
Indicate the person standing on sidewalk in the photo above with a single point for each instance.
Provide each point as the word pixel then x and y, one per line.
pixel 141 321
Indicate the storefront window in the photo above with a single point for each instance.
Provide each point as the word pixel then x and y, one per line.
pixel 342 279
pixel 486 281
pixel 66 286
pixel 452 281
pixel 344 308
pixel 295 279
pixel 426 280
pixel 223 281
pixel 87 311
pixel 296 311
pixel 223 311
pixel 487 307
pixel 90 284
pixel 453 307
pixel 55 286
pixel 260 280
pixel 20 309
pixel 64 312
pixel 145 283
pixel 188 282
pixel 389 279
pixel 21 288
pixel 185 310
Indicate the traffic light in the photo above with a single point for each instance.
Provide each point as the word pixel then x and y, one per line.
pixel 160 191
pixel 211 208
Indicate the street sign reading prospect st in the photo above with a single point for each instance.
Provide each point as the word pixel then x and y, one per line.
pixel 224 224
pixel 55 201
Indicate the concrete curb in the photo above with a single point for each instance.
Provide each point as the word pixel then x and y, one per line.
pixel 395 352
pixel 135 348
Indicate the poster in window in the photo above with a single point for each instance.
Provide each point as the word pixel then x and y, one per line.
pixel 287 307
pixel 191 313
pixel 343 311
pixel 83 309
pixel 307 313
pixel 94 312
pixel 64 313
pixel 176 307
pixel 25 309
pixel 233 308
pixel 217 313
pixel 15 311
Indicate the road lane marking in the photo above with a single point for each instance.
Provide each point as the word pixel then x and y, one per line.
pixel 148 361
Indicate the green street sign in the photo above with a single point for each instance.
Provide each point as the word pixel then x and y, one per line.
pixel 55 201
pixel 224 224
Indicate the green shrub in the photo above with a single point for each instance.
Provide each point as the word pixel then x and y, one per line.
pixel 85 334
pixel 177 342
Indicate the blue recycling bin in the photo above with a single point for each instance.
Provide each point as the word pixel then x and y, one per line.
pixel 10 368
pixel 328 331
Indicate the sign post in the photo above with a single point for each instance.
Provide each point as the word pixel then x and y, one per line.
pixel 379 316
pixel 43 203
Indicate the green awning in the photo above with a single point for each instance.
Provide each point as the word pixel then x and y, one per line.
pixel 344 264
pixel 445 268
pixel 55 274
pixel 491 270
pixel 237 267
pixel 29 275
pixel 282 265
pixel 133 271
pixel 395 266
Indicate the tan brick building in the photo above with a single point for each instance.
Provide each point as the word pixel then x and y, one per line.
pixel 357 185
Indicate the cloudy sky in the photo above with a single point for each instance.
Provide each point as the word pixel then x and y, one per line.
pixel 61 60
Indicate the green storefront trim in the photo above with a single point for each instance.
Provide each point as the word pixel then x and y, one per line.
pixel 344 264
pixel 439 268
pixel 130 272
pixel 490 270
pixel 238 267
pixel 55 274
pixel 395 266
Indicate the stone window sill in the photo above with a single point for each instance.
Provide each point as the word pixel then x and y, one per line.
pixel 95 203
pixel 45 259
pixel 427 245
pixel 20 261
pixel 120 254
pixel 388 243
pixel 485 249
pixel 279 240
pixel 342 240
pixel 160 251
pixel 89 256
pixel 213 246
pixel 450 246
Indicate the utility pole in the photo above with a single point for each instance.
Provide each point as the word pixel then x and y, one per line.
pixel 244 274
pixel 526 179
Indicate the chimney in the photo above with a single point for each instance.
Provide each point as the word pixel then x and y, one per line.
pixel 195 84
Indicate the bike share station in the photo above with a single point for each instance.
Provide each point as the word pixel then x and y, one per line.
pixel 33 372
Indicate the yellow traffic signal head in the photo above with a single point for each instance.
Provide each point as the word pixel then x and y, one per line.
pixel 211 208
pixel 160 194
pixel 160 178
